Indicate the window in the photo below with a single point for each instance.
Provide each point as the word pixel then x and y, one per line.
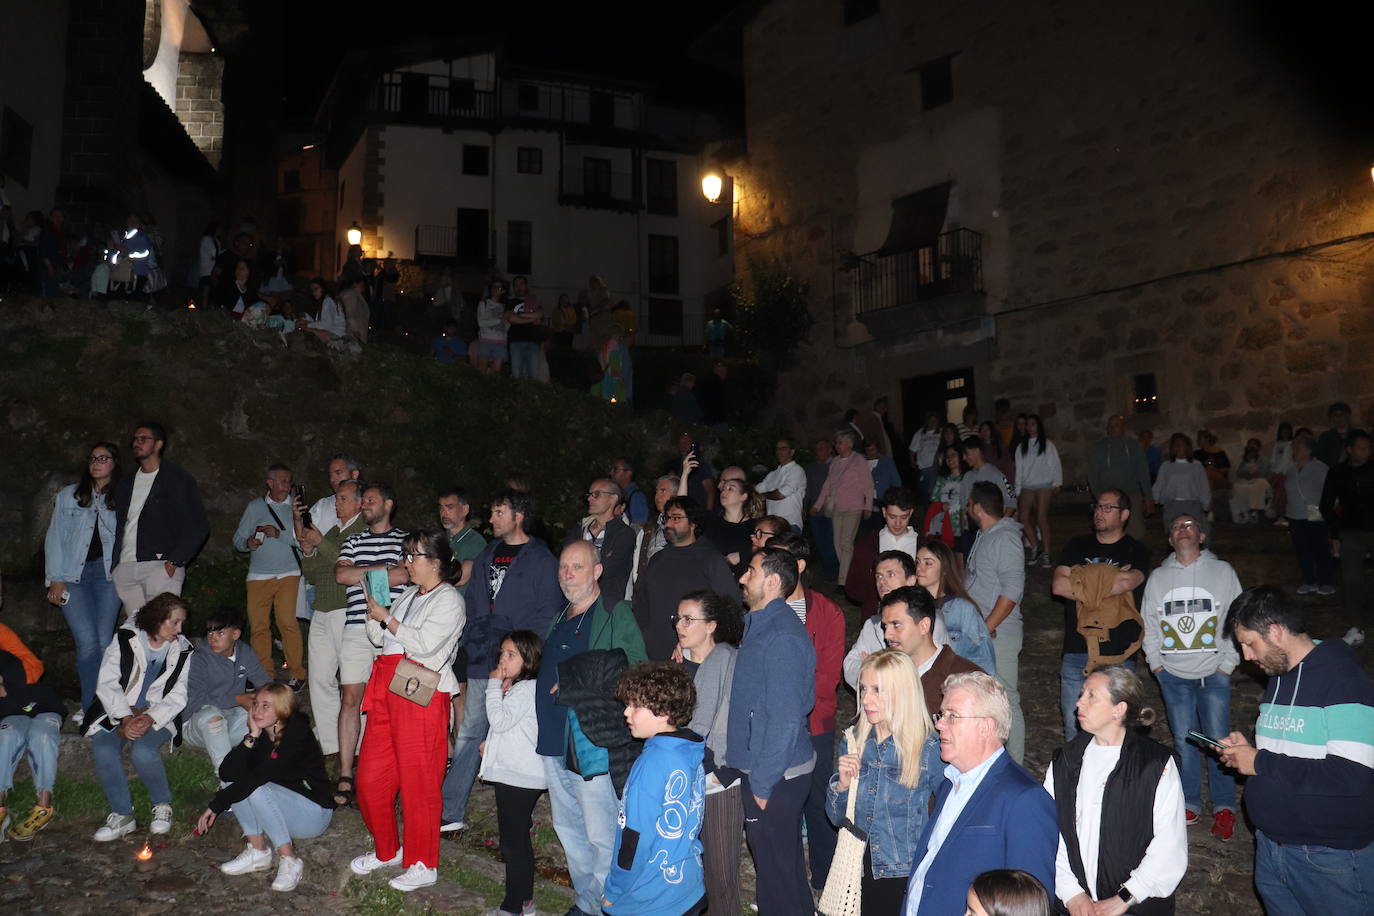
pixel 663 264
pixel 476 160
pixel 722 227
pixel 291 181
pixel 519 246
pixel 471 243
pixel 529 160
pixel 665 317
pixel 1146 389
pixel 16 146
pixel 462 95
pixel 661 179
pixel 527 97
pixel 937 82
pixel 859 10
pixel 596 177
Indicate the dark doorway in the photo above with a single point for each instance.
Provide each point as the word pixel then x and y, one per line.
pixel 473 232
pixel 944 394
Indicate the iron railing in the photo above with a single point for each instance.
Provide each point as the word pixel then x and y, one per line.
pixel 436 241
pixel 954 264
pixel 441 99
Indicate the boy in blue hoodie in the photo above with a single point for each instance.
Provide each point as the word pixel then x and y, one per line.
pixel 656 867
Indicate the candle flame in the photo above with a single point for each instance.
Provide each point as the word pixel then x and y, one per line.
pixel 145 853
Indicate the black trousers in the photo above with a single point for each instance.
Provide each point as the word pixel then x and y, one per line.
pixel 514 818
pixel 820 833
pixel 774 836
pixel 881 896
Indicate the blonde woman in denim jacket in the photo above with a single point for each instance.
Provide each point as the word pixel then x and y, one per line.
pixel 892 753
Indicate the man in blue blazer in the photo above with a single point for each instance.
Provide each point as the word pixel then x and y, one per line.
pixel 989 813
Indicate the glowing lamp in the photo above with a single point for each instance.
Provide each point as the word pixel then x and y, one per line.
pixel 711 183
pixel 144 854
pixel 355 234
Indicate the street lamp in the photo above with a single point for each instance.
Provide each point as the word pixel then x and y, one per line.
pixel 355 234
pixel 711 183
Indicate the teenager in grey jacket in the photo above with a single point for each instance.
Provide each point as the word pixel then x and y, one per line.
pixel 1182 485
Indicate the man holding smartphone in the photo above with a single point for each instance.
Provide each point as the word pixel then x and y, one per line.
pixel 267 533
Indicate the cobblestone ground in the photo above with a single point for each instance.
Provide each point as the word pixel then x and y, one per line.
pixel 63 872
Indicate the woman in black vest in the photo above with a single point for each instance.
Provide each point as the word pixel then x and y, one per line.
pixel 1111 776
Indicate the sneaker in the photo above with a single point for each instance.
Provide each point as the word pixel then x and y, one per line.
pixel 415 877
pixel 1280 523
pixel 288 873
pixel 1353 637
pixel 1223 824
pixel 1305 589
pixel 1045 560
pixel 38 819
pixel 526 909
pixel 368 862
pixel 77 718
pixel 1189 817
pixel 296 684
pixel 1326 590
pixel 116 826
pixel 1032 557
pixel 162 819
pixel 453 826
pixel 250 860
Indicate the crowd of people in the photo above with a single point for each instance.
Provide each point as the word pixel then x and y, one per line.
pixel 665 671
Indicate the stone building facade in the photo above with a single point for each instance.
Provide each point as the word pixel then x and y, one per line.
pixel 1155 216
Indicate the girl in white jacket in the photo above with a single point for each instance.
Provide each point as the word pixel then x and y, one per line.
pixel 1038 477
pixel 510 763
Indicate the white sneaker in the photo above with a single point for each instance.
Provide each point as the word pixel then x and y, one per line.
pixel 77 718
pixel 453 826
pixel 1353 637
pixel 250 860
pixel 368 862
pixel 415 877
pixel 162 819
pixel 288 873
pixel 116 826
pixel 1305 589
pixel 1326 590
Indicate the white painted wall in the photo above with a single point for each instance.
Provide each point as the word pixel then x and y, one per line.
pixel 33 42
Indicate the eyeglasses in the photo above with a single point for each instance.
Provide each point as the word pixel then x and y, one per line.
pixel 676 617
pixel 412 557
pixel 591 493
pixel 99 459
pixel 1183 526
pixel 1108 507
pixel 955 717
pixel 763 533
pixel 144 439
pixel 676 518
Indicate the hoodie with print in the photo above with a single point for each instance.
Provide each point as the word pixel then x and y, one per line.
pixel 1185 616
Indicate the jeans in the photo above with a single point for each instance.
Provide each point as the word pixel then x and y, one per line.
pixel 217 737
pixel 107 747
pixel 1071 680
pixel 1202 704
pixel 1006 648
pixel 91 612
pixel 584 817
pixel 823 543
pixel 1311 544
pixel 39 737
pixel 821 835
pixel 524 355
pixel 281 814
pixel 1312 880
pixel 462 773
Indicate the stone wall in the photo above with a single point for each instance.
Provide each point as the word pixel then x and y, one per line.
pixel 1148 183
pixel 200 106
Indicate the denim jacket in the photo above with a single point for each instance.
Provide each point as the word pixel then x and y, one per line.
pixel 968 633
pixel 892 815
pixel 69 536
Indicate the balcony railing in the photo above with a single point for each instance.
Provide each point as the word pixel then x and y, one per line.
pixel 954 264
pixel 430 99
pixel 591 188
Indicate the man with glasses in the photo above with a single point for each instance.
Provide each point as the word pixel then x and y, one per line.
pixel 989 812
pixel 160 523
pixel 685 565
pixel 1109 543
pixel 224 673
pixel 605 529
pixel 785 486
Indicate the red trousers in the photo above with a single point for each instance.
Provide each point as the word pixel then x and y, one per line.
pixel 404 750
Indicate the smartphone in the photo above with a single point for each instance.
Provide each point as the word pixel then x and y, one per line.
pixel 1199 736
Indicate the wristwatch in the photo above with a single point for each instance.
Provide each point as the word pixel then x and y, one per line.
pixel 1127 897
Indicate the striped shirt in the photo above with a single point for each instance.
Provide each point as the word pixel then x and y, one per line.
pixel 367 548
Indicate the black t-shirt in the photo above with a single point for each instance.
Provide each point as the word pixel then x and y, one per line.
pixel 501 560
pixel 730 537
pixel 1125 552
pixel 521 333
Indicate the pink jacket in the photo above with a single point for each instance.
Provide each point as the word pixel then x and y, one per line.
pixel 851 484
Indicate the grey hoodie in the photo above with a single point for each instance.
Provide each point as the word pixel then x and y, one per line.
pixel 996 568
pixel 1185 614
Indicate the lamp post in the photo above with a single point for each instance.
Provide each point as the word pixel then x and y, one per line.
pixel 711 184
pixel 354 234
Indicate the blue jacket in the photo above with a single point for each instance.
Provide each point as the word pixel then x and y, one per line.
pixel 656 866
pixel 528 600
pixel 1010 822
pixel 968 633
pixel 892 815
pixel 69 536
pixel 772 694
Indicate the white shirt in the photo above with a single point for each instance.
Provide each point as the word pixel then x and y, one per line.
pixel 965 784
pixel 324 515
pixel 790 480
pixel 925 444
pixel 331 319
pixel 143 483
pixel 907 543
pixel 402 610
pixel 1036 471
pixel 1166 858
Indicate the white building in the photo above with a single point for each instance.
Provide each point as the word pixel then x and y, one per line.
pixel 494 168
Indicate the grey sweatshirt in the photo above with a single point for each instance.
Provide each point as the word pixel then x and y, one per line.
pixel 1119 464
pixel 713 679
pixel 1183 480
pixel 996 568
pixel 1185 613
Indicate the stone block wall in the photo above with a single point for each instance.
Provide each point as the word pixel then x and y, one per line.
pixel 200 105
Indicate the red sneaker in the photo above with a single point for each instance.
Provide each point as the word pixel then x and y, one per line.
pixel 1189 817
pixel 1223 824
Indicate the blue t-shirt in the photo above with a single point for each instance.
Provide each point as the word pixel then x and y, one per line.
pixel 157 660
pixel 568 638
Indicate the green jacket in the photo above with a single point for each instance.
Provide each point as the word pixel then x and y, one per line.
pixel 319 568
pixel 615 630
